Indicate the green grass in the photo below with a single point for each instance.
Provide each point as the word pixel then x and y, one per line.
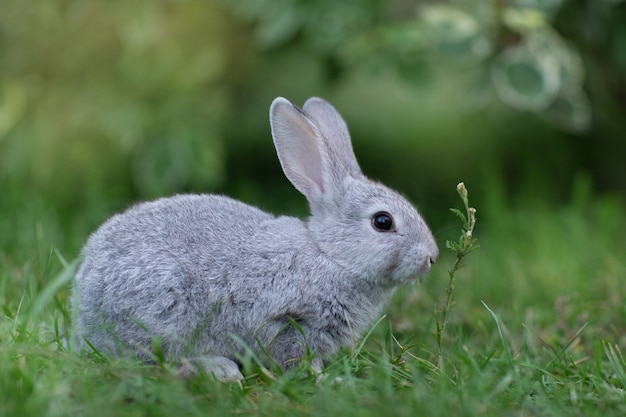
pixel 537 327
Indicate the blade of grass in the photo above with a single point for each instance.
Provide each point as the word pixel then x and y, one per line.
pixel 503 339
pixel 616 359
pixel 47 294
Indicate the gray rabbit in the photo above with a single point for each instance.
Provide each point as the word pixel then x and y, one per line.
pixel 207 275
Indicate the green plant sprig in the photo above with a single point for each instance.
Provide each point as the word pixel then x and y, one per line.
pixel 465 244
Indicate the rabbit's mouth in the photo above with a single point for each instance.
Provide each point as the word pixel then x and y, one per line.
pixel 422 271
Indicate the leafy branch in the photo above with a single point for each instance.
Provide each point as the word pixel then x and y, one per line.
pixel 465 244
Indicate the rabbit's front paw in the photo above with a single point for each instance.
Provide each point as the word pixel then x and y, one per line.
pixel 221 368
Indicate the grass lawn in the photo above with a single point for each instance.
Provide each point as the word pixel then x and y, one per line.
pixel 537 328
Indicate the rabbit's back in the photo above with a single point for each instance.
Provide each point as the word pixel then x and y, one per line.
pixel 157 269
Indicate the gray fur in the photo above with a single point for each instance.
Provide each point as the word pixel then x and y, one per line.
pixel 195 270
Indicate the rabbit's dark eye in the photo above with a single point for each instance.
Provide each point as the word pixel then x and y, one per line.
pixel 383 222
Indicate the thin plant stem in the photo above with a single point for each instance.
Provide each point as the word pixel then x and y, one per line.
pixel 465 244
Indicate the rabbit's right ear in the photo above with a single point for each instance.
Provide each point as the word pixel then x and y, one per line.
pixel 301 149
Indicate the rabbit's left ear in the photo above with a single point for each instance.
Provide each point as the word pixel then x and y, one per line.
pixel 335 133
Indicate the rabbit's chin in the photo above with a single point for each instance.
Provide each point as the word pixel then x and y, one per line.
pixel 405 280
pixel 410 275
pixel 419 278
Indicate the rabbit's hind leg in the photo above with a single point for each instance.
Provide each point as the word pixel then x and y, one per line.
pixel 223 369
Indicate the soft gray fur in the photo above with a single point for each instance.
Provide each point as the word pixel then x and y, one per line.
pixel 193 271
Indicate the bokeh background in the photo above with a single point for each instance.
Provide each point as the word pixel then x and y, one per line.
pixel 104 103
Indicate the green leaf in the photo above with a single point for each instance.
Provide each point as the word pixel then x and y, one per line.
pixel 460 214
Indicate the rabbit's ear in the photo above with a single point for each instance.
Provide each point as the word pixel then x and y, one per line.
pixel 313 147
pixel 335 132
pixel 301 150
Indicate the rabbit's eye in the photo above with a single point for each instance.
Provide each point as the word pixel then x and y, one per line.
pixel 383 222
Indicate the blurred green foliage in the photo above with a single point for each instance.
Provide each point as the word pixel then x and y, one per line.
pixel 106 102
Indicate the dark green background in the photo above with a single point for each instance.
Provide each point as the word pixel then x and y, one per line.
pixel 105 102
